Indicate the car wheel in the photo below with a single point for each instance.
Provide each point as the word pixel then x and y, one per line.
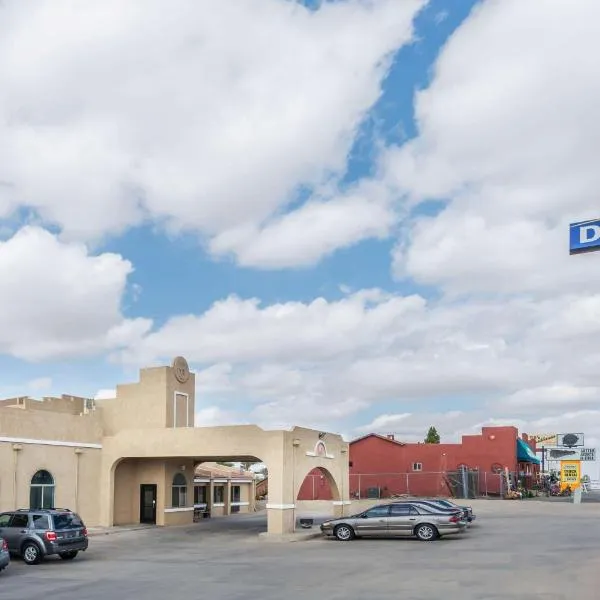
pixel 31 553
pixel 68 555
pixel 426 532
pixel 344 533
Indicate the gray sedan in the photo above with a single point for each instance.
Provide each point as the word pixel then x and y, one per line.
pixel 4 555
pixel 400 519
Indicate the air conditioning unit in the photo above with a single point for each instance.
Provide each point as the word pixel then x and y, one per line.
pixel 570 440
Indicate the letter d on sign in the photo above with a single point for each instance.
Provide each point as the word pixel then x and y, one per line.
pixel 589 233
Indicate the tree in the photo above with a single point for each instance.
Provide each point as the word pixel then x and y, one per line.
pixel 433 437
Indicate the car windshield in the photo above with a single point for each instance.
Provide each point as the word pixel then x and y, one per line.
pixel 67 521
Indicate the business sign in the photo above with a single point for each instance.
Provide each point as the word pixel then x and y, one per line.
pixel 570 440
pixel 544 439
pixel 584 236
pixel 587 454
pixel 570 474
pixel 563 454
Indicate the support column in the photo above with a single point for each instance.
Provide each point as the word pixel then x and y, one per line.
pixel 16 449
pixel 281 506
pixel 106 495
pixel 211 497
pixel 227 508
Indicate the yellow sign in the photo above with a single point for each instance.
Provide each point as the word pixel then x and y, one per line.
pixel 545 439
pixel 570 474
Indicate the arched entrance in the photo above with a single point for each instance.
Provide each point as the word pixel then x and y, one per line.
pixel 318 484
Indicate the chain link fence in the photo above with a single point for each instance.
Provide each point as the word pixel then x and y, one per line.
pixel 458 484
pixel 470 483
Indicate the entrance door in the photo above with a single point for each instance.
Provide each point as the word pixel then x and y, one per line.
pixel 148 503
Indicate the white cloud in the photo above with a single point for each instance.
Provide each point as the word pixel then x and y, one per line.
pixel 39 384
pixel 209 116
pixel 321 362
pixel 105 394
pixel 510 145
pixel 318 228
pixel 213 416
pixel 451 425
pixel 58 301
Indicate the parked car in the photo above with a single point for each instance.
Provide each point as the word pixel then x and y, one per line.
pixel 398 519
pixel 4 554
pixel 35 534
pixel 466 511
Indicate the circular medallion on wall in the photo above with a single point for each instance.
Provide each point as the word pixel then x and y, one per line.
pixel 181 369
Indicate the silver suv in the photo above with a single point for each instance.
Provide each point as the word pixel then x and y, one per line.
pixel 35 534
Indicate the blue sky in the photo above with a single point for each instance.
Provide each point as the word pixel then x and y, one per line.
pixel 327 226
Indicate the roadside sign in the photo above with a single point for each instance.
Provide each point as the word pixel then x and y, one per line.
pixel 545 439
pixel 587 454
pixel 584 236
pixel 570 474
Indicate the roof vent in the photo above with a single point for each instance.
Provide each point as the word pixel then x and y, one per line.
pixel 390 436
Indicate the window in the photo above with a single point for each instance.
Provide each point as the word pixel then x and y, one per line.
pixel 40 522
pixel 236 493
pixel 5 519
pixel 377 512
pixel 20 521
pixel 400 510
pixel 417 466
pixel 219 494
pixel 67 521
pixel 41 492
pixel 179 491
pixel 200 494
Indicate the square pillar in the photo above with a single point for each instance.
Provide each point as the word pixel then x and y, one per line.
pixel 227 508
pixel 281 519
pixel 211 497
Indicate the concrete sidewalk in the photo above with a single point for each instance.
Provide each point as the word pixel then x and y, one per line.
pixel 96 531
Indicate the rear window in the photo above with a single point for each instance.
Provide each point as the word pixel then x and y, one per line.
pixel 40 521
pixel 67 521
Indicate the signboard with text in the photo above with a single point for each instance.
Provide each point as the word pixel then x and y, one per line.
pixel 584 236
pixel 587 454
pixel 544 439
pixel 570 474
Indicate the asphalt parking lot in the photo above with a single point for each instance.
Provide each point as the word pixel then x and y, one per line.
pixel 517 550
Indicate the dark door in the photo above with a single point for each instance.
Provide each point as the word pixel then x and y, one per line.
pixel 148 503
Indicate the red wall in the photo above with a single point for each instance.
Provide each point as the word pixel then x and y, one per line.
pixel 377 462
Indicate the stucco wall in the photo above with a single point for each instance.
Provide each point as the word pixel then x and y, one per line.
pixel 41 424
pixel 75 488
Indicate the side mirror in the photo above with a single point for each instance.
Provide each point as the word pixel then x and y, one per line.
pixel 364 516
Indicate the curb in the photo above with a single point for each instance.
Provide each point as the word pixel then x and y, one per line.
pixel 115 531
pixel 288 538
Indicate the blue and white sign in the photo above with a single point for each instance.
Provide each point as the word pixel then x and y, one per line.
pixel 585 236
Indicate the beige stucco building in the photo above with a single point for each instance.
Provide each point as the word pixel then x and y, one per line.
pixel 132 459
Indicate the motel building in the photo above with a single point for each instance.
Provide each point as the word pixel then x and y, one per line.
pixel 138 458
pixel 232 490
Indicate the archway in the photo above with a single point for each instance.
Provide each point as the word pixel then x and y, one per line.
pixel 318 484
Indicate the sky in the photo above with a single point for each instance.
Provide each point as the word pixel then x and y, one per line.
pixel 349 215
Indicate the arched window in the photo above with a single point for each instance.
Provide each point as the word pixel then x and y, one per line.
pixel 179 491
pixel 41 491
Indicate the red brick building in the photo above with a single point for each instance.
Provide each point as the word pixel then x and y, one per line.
pixel 381 466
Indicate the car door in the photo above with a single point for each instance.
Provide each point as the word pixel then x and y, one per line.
pixel 373 522
pixel 17 528
pixel 4 523
pixel 402 519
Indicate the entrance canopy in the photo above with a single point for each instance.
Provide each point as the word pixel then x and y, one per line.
pixel 525 454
